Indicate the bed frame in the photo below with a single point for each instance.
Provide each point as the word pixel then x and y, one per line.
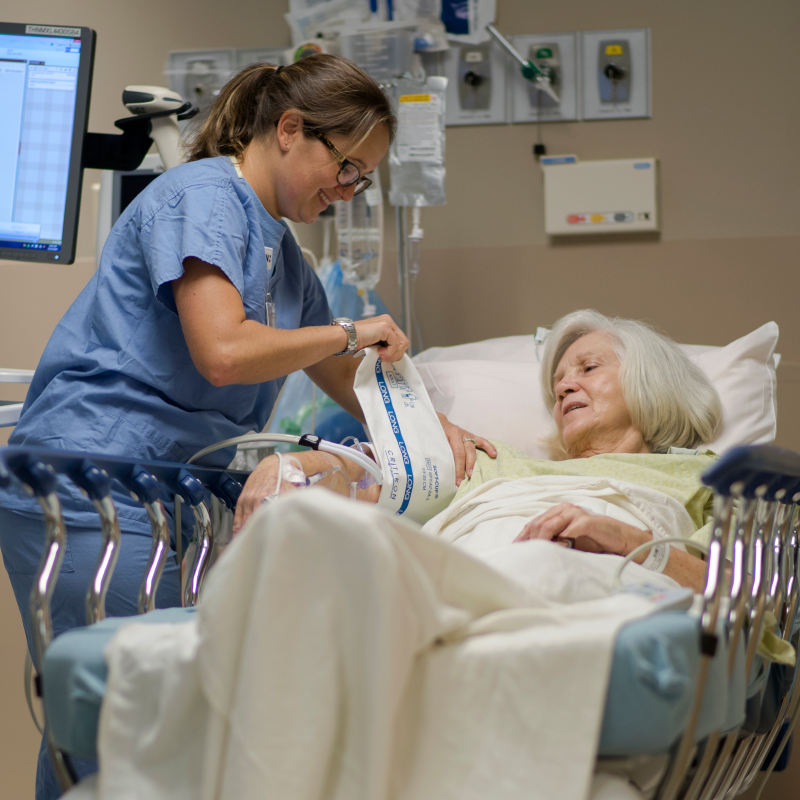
pixel 756 520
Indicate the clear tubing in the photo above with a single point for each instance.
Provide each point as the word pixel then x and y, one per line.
pixel 415 243
pixel 506 45
pixel 327 447
pixel 402 272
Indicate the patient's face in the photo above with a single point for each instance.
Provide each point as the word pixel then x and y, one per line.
pixel 590 411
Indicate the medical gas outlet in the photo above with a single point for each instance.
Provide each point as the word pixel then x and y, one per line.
pixel 614 196
pixel 475 78
pixel 554 98
pixel 614 71
pixel 476 86
pixel 546 58
pixel 616 74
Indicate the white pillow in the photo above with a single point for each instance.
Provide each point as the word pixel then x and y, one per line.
pixel 492 388
pixel 497 399
pixel 506 348
pixel 743 373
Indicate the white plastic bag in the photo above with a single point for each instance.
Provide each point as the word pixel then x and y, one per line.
pixel 419 474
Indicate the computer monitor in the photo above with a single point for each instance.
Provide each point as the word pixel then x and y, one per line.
pixel 45 84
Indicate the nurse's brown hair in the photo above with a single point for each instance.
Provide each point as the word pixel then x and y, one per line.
pixel 332 94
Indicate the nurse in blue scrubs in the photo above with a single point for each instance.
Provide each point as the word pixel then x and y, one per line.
pixel 168 348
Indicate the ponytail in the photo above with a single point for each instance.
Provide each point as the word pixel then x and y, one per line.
pixel 332 94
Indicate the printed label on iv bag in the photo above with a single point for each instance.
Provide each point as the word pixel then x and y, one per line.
pixel 419 135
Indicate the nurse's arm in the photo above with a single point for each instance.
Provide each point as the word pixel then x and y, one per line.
pixel 227 348
pixel 336 376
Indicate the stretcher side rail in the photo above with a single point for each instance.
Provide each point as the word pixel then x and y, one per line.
pixel 148 482
pixel 756 524
pixel 755 508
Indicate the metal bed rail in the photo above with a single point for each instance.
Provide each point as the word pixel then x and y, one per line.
pixel 753 571
pixel 148 482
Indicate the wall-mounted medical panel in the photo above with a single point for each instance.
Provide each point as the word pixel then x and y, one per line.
pixel 256 55
pixel 198 75
pixel 616 74
pixel 615 196
pixel 476 86
pixel 559 53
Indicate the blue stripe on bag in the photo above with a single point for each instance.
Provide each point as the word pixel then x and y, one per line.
pixel 398 434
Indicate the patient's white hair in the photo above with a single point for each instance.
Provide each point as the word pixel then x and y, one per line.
pixel 669 398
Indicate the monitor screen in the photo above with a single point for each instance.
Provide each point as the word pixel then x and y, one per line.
pixel 45 82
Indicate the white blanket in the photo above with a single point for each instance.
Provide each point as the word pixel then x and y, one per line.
pixel 485 523
pixel 339 653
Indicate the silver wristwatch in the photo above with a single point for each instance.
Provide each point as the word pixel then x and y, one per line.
pixel 352 336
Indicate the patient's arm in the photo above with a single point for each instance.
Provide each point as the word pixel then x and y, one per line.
pixel 264 480
pixel 597 534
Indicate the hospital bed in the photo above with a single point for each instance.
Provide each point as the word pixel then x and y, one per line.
pixel 689 696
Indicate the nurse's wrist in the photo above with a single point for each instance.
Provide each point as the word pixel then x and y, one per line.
pixel 341 338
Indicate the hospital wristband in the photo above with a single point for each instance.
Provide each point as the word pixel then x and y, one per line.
pixel 657 556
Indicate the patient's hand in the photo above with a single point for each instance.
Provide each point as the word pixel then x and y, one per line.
pixel 261 484
pixel 335 473
pixel 464 453
pixel 571 525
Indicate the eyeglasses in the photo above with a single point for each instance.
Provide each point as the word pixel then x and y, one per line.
pixel 349 173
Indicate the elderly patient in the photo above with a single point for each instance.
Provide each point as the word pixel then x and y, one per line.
pixel 629 407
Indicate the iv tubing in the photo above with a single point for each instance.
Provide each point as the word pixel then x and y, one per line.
pixel 326 447
pixel 507 46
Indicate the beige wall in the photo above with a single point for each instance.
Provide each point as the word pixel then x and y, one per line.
pixel 724 129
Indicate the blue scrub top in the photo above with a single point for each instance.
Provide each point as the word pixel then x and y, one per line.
pixel 116 376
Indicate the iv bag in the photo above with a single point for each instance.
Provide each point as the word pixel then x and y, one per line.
pixel 416 159
pixel 360 237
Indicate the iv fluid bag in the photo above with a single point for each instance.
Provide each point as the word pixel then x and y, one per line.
pixel 360 237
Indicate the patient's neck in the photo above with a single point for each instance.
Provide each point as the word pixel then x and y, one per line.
pixel 631 441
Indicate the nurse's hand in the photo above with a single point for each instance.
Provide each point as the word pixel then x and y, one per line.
pixel 259 486
pixel 382 331
pixel 464 452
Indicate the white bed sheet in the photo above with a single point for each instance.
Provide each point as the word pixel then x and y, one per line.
pixel 339 653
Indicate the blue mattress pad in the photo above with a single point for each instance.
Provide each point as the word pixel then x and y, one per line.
pixel 650 693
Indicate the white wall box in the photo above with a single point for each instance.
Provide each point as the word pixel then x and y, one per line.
pixel 615 196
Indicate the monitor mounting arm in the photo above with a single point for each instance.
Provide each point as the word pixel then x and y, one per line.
pixel 125 151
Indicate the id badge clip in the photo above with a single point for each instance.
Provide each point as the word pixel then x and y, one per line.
pixel 270 305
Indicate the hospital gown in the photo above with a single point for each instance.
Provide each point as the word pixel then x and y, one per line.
pixel 676 475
